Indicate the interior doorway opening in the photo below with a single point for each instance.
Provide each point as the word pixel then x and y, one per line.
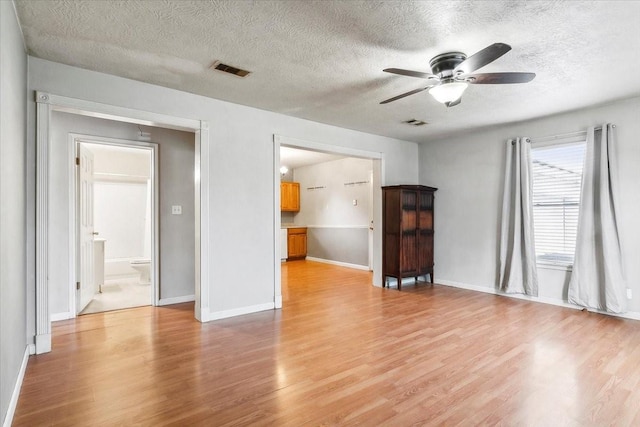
pixel 339 205
pixel 116 224
pixel 50 257
pixel 334 194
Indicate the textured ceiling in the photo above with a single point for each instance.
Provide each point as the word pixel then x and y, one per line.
pixel 323 60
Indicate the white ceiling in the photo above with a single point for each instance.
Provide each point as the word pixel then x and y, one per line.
pixel 294 158
pixel 323 60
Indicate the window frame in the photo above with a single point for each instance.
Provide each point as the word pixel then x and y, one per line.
pixel 549 142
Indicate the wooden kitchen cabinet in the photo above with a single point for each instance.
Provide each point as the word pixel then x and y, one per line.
pixel 407 232
pixel 290 196
pixel 297 243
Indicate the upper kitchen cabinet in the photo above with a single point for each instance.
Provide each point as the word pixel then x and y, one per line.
pixel 290 196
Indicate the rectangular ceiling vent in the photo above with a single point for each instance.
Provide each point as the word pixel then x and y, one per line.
pixel 414 122
pixel 229 69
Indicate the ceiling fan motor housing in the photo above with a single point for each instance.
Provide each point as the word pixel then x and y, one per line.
pixel 443 64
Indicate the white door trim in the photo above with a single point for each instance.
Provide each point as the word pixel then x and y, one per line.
pixel 75 139
pixel 46 104
pixel 378 174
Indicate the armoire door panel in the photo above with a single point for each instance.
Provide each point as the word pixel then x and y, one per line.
pixel 408 251
pixel 409 222
pixel 426 220
pixel 425 252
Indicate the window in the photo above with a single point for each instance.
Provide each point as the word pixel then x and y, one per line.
pixel 557 177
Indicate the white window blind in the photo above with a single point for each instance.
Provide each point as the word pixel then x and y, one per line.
pixel 557 177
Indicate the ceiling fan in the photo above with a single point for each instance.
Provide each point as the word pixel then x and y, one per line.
pixel 452 74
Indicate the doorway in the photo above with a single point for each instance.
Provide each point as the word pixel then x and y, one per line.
pixel 116 224
pixel 49 254
pixel 367 185
pixel 335 205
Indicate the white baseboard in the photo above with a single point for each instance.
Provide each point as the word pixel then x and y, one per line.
pixel 202 315
pixel 43 343
pixel 278 301
pixel 545 300
pixel 176 300
pixel 217 315
pixel 340 263
pixel 62 316
pixel 13 403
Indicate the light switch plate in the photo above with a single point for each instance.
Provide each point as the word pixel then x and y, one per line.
pixel 176 210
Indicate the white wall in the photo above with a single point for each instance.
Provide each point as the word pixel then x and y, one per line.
pixel 130 162
pixel 121 205
pixel 177 241
pixel 119 217
pixel 241 168
pixel 13 215
pixel 468 171
pixel 332 205
pixel 336 229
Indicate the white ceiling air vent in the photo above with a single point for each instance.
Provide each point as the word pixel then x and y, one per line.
pixel 229 69
pixel 414 122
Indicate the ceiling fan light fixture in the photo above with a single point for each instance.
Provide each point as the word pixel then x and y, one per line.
pixel 448 92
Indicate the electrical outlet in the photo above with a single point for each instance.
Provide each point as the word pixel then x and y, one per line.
pixel 176 210
pixel 629 293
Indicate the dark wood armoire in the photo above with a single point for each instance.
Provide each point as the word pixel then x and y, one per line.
pixel 407 232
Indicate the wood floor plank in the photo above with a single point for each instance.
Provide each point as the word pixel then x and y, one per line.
pixel 340 352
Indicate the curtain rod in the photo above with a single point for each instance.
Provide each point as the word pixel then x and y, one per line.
pixel 564 135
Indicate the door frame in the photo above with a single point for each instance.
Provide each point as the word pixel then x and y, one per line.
pixel 376 202
pixel 372 176
pixel 74 263
pixel 46 103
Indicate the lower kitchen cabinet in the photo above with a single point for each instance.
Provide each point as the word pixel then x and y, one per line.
pixel 297 243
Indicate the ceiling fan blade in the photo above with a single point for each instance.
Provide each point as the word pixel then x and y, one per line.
pixel 482 58
pixel 498 78
pixel 395 98
pixel 410 73
pixel 453 103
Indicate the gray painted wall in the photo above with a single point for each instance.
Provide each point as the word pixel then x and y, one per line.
pixel 337 230
pixel 177 241
pixel 13 108
pixel 468 171
pixel 241 171
pixel 350 245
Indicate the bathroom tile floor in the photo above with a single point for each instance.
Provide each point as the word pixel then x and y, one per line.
pixel 118 294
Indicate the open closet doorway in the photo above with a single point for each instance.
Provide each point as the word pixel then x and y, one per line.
pixel 116 224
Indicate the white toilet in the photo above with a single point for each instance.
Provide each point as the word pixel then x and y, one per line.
pixel 143 267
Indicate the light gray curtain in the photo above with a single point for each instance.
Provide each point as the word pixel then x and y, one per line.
pixel 597 279
pixel 518 272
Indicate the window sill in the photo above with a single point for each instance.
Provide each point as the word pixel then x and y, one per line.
pixel 552 266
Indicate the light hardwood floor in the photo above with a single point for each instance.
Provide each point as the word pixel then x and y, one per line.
pixel 341 352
